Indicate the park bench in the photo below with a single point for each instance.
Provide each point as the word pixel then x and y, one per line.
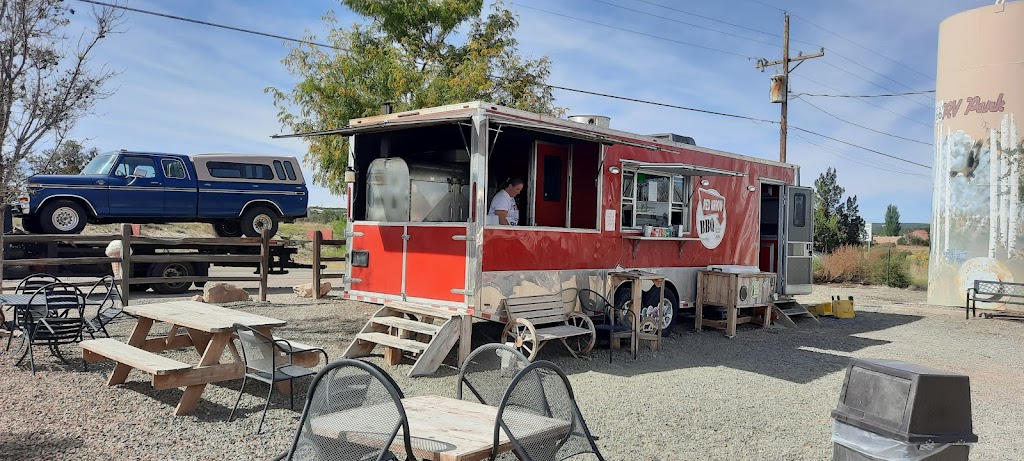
pixel 162 368
pixel 992 291
pixel 535 320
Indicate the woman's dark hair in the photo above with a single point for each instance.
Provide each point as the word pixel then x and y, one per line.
pixel 511 182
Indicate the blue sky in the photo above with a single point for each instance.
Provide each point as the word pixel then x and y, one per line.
pixel 191 88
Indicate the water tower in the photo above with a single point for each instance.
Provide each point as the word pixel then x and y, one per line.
pixel 976 207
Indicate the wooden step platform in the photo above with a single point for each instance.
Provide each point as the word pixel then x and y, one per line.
pixel 787 309
pixel 421 332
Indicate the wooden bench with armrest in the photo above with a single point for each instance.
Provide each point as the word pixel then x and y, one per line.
pixel 535 320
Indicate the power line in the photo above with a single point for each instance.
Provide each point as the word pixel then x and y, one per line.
pixel 753 119
pixel 865 101
pixel 221 26
pixel 635 32
pixel 864 127
pixel 684 22
pixel 850 41
pixel 861 95
pixel 846 156
pixel 873 83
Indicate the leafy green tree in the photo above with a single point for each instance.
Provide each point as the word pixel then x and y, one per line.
pixel 68 158
pixel 892 221
pixel 835 223
pixel 851 224
pixel 412 54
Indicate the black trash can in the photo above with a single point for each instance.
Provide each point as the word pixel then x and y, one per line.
pixel 897 410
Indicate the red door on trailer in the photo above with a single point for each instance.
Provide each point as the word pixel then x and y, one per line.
pixel 551 197
pixel 383 273
pixel 435 262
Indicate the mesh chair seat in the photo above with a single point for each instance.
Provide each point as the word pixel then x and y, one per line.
pixel 353 412
pixel 539 415
pixel 488 371
pixel 261 354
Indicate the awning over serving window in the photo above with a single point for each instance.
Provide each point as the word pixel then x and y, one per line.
pixel 387 125
pixel 681 169
pixel 575 133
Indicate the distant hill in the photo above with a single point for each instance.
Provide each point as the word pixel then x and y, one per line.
pixel 876 228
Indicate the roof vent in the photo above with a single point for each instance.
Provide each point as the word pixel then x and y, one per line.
pixel 596 120
pixel 676 138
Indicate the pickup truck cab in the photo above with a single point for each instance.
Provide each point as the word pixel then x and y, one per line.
pixel 239 194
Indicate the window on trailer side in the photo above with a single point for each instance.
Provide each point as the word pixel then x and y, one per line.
pixel 654 199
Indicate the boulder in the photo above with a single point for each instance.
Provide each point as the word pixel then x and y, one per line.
pixel 306 290
pixel 224 293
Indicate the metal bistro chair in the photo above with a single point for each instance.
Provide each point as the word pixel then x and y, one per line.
pixel 104 291
pixel 488 371
pixel 50 322
pixel 609 322
pixel 541 390
pixel 27 286
pixel 353 412
pixel 260 354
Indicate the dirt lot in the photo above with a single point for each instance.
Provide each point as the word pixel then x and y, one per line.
pixel 764 394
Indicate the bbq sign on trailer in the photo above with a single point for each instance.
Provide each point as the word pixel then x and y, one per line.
pixel 710 217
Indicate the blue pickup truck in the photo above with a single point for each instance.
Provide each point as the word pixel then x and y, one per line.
pixel 239 194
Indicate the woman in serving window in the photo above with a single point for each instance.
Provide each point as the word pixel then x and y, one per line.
pixel 503 207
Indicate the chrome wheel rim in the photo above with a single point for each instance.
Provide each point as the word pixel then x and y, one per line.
pixel 65 219
pixel 262 222
pixel 174 270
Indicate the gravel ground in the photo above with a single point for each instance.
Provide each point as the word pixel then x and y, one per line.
pixel 763 395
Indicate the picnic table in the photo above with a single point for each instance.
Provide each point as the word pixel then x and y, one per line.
pixel 208 328
pixel 440 428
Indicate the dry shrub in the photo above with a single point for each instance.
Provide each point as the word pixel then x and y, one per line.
pixel 843 265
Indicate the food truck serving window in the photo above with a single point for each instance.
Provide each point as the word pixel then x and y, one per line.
pixel 652 199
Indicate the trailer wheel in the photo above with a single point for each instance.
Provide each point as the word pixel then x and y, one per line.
pixel 227 229
pixel 255 219
pixel 62 217
pixel 172 269
pixel 669 310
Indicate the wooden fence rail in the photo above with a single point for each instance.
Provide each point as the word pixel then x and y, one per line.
pixel 127 259
pixel 318 243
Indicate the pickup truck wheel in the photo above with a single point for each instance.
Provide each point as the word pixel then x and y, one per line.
pixel 62 217
pixel 172 269
pixel 255 219
pixel 227 229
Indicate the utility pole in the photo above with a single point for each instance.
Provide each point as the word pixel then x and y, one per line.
pixel 764 63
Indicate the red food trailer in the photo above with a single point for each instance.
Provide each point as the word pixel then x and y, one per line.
pixel 596 200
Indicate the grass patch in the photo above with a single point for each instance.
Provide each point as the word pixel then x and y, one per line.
pixel 900 267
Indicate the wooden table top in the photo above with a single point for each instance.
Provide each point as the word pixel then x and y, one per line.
pixel 442 428
pixel 201 316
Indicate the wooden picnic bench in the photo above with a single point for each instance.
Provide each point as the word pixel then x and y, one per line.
pixel 535 320
pixel 208 328
pixel 993 291
pixel 163 369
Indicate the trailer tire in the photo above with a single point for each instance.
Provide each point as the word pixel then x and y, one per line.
pixel 670 310
pixel 62 217
pixel 257 218
pixel 623 299
pixel 172 269
pixel 227 228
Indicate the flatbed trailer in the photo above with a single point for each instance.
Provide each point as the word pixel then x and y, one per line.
pixel 280 260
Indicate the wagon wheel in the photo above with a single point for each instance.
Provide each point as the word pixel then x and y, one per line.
pixel 580 344
pixel 523 337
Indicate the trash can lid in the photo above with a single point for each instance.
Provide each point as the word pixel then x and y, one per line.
pixel 906 402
